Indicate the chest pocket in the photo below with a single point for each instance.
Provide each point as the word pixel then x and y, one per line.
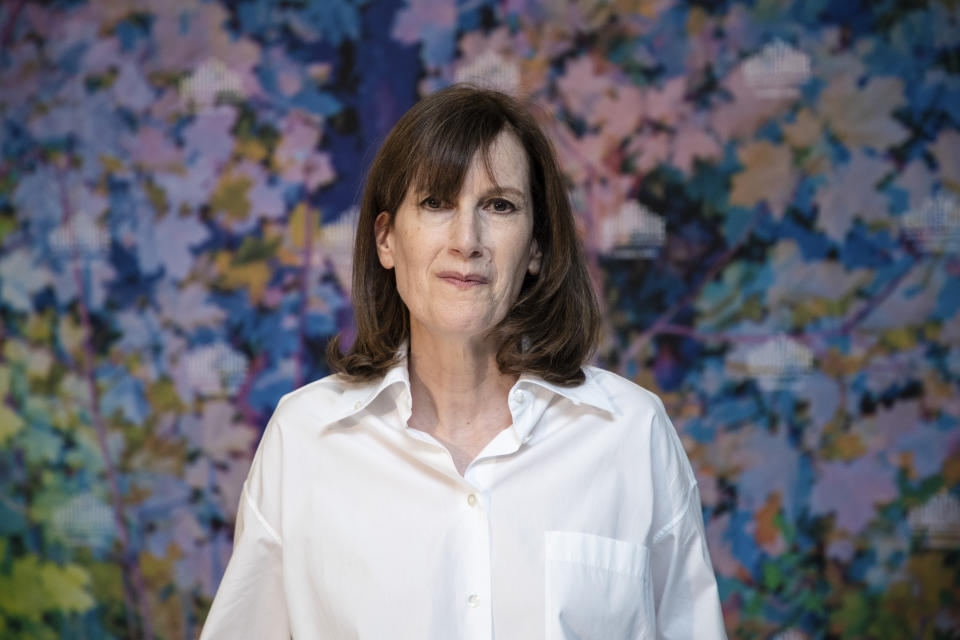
pixel 597 588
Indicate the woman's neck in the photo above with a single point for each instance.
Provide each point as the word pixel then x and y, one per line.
pixel 459 395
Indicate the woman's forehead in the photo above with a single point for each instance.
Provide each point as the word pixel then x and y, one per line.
pixel 506 160
pixel 502 164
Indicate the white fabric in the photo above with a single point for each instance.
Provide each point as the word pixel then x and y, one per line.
pixel 580 520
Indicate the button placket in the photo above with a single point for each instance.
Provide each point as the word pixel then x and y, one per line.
pixel 476 594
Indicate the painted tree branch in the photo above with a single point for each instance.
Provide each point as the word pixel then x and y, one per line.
pixel 592 255
pixel 307 253
pixel 136 601
pixel 872 303
pixel 7 33
pixel 718 265
pixel 250 415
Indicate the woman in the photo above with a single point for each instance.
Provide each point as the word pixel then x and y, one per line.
pixel 464 475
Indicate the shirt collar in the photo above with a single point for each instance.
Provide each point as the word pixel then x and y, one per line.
pixel 588 392
pixel 355 398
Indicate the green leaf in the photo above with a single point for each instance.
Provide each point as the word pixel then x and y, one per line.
pixel 10 423
pixel 44 586
pixel 772 576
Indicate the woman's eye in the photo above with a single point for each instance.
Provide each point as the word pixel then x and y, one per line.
pixel 502 206
pixel 431 203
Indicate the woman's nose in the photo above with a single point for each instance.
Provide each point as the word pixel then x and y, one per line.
pixel 466 233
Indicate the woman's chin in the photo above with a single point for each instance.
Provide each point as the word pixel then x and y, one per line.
pixel 457 329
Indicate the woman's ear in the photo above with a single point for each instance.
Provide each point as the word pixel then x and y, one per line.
pixel 536 256
pixel 382 230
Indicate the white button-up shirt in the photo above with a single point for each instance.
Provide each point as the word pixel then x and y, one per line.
pixel 580 520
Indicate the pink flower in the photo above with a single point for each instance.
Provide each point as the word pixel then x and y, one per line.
pixel 582 84
pixel 413 20
pixel 151 148
pixel 852 491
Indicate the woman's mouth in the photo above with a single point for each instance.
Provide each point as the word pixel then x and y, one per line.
pixel 463 280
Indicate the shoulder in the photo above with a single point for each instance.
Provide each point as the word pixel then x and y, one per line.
pixel 625 396
pixel 643 419
pixel 321 402
pixel 285 448
pixel 329 388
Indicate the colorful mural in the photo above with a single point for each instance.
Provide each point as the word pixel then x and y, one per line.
pixel 768 192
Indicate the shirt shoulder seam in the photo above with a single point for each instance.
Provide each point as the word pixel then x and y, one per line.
pixel 675 520
pixel 259 516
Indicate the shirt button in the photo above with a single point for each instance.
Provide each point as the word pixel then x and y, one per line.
pixel 356 406
pixel 473 600
pixel 519 396
pixel 472 499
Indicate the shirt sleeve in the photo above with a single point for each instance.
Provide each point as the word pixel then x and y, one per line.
pixel 685 588
pixel 686 598
pixel 250 602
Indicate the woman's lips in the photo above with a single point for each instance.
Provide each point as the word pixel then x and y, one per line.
pixel 463 280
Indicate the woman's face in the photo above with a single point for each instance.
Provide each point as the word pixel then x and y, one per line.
pixel 459 265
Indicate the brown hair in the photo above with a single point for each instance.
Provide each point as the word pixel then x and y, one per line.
pixel 553 327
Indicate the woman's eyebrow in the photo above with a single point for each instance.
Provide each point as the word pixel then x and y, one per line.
pixel 504 191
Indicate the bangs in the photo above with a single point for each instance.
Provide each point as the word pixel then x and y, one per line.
pixel 446 149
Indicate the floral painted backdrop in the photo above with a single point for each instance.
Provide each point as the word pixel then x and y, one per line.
pixel 770 196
